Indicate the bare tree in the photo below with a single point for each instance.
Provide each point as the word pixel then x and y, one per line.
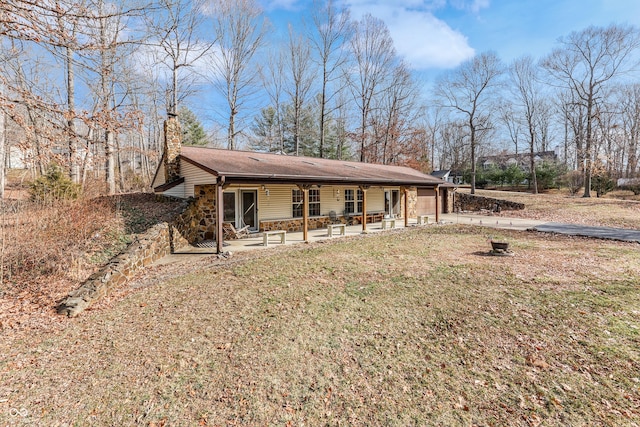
pixel 511 122
pixel 274 77
pixel 433 122
pixel 301 71
pixel 374 56
pixel 105 61
pixel 333 29
pixel 3 145
pixel 29 100
pixel 454 146
pixel 629 101
pixel 524 77
pixel 397 118
pixel 54 26
pixel 240 29
pixel 586 63
pixel 468 91
pixel 175 32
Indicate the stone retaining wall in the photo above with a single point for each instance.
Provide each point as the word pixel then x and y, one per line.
pixel 471 202
pixel 154 244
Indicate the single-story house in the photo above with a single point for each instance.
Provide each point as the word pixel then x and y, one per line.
pixel 521 160
pixel 278 192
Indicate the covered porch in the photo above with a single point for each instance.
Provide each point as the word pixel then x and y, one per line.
pixel 255 240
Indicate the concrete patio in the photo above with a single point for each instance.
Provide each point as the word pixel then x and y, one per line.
pixel 256 241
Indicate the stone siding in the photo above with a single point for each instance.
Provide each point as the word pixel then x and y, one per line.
pixel 172 144
pixel 197 223
pixel 295 224
pixel 471 202
pixel 205 212
pixel 412 201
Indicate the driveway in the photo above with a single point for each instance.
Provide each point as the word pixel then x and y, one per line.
pixel 610 233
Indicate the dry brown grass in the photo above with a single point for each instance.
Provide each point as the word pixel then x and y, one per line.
pixel 561 207
pixel 46 250
pixel 413 327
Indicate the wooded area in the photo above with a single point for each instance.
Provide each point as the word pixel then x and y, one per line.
pixel 87 84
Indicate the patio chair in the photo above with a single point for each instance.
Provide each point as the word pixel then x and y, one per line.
pixel 333 218
pixel 348 218
pixel 230 232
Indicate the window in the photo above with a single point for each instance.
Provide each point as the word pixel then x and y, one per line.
pixel 314 202
pixel 297 201
pixel 229 200
pixel 353 201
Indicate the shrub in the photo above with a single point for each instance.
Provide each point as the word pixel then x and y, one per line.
pixel 481 178
pixel 513 175
pixel 548 175
pixel 602 184
pixel 634 188
pixel 54 186
pixel 573 180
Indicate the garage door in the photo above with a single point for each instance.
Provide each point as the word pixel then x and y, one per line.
pixel 426 201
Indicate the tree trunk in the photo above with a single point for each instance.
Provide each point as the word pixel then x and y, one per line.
pixel 532 162
pixel 473 157
pixel 74 172
pixel 3 154
pixel 232 130
pixel 587 154
pixel 110 164
pixel 119 160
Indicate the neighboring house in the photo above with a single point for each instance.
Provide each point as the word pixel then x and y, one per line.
pixel 443 175
pixel 278 192
pixel 522 160
pixel 16 158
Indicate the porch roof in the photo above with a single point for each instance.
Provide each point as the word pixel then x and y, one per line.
pixel 256 167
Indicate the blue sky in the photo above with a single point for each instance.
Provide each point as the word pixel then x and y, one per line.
pixel 436 35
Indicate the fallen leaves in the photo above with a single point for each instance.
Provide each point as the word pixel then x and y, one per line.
pixel 537 361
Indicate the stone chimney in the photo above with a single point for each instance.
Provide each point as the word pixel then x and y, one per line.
pixel 172 144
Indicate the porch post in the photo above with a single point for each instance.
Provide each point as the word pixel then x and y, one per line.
pixel 364 189
pixel 305 211
pixel 437 204
pixel 405 194
pixel 219 214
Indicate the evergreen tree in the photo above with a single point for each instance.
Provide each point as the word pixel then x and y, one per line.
pixel 308 137
pixel 192 131
pixel 266 133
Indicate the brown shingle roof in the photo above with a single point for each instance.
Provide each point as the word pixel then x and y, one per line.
pixel 246 166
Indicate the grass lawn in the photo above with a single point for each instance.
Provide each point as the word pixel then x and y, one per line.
pixel 410 327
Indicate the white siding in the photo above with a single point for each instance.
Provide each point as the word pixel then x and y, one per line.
pixel 194 176
pixel 329 201
pixel 159 178
pixel 277 205
pixel 375 199
pixel 177 191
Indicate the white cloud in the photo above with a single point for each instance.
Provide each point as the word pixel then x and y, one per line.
pixel 280 4
pixel 471 5
pixel 422 39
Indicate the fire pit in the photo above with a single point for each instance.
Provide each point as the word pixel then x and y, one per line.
pixel 500 248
